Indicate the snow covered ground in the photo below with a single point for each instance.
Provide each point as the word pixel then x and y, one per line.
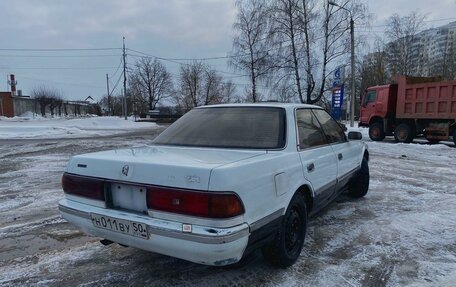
pixel 29 126
pixel 403 233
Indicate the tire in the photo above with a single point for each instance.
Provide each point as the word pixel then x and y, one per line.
pixel 288 242
pixel 359 185
pixel 376 132
pixel 404 133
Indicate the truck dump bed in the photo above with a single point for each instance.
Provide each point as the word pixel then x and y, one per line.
pixel 425 98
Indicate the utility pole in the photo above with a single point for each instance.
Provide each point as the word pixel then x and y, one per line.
pixel 352 56
pixel 109 96
pixel 352 80
pixel 125 80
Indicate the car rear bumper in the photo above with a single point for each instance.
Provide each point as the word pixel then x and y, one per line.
pixel 204 244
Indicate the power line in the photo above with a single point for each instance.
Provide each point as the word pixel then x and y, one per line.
pixel 57 56
pixel 116 84
pixel 176 60
pixel 57 68
pixel 57 49
pixel 190 59
pixel 61 83
pixel 118 67
pixel 146 55
pixel 426 21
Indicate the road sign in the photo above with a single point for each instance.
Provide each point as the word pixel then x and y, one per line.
pixel 338 76
pixel 337 102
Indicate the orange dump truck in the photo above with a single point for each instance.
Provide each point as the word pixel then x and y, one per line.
pixel 412 106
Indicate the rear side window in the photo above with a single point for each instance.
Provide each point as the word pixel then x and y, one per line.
pixel 228 127
pixel 332 130
pixel 309 130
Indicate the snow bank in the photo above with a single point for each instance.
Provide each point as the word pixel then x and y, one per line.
pixel 26 127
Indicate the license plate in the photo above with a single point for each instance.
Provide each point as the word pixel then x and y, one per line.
pixel 119 225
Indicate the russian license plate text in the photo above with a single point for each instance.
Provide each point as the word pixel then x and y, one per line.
pixel 119 225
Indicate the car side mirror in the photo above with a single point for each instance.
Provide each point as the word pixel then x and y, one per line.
pixel 355 136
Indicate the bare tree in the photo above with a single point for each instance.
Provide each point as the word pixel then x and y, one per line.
pixel 373 67
pixel 286 25
pixel 283 92
pixel 150 82
pixel 308 16
pixel 335 43
pixel 191 85
pixel 308 38
pixel 47 97
pixel 229 93
pixel 115 107
pixel 401 32
pixel 251 44
pixel 213 85
pixel 201 85
pixel 446 66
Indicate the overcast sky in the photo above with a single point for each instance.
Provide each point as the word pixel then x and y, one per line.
pixel 170 29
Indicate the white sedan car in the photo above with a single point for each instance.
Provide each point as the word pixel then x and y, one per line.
pixel 219 183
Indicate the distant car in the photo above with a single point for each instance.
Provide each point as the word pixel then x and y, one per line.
pixel 219 183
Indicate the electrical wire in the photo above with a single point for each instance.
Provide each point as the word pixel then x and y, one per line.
pixel 146 55
pixel 57 56
pixel 58 68
pixel 58 49
pixel 61 83
pixel 118 67
pixel 426 21
pixel 117 83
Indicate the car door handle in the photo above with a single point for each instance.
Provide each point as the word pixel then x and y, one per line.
pixel 311 167
pixel 340 156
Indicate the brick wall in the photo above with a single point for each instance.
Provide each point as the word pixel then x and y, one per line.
pixel 6 104
pixel 16 106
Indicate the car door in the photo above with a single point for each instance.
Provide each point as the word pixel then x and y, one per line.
pixel 368 106
pixel 346 152
pixel 317 157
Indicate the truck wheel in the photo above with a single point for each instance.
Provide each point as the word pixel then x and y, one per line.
pixel 287 245
pixel 404 133
pixel 376 132
pixel 359 185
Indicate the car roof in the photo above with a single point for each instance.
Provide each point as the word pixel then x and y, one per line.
pixel 264 104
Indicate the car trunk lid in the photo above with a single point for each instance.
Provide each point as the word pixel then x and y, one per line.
pixel 174 166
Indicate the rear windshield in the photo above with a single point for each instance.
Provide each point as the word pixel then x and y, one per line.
pixel 228 127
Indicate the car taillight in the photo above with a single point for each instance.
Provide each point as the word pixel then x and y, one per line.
pixel 92 188
pixel 196 203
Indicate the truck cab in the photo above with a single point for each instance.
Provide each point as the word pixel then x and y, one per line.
pixel 378 108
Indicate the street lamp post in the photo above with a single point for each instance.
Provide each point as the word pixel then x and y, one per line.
pixel 352 76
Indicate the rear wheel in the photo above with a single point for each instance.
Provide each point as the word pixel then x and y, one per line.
pixel 359 185
pixel 404 133
pixel 376 132
pixel 287 245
